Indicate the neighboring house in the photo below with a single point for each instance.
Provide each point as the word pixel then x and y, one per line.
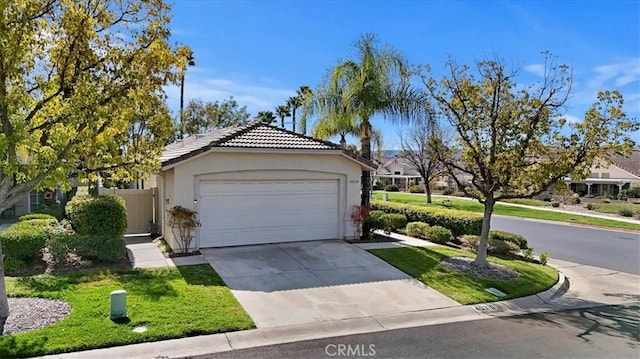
pixel 28 203
pixel 622 173
pixel 257 183
pixel 399 171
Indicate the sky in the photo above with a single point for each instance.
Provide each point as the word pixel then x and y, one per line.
pixel 260 52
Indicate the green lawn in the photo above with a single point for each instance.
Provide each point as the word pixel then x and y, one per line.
pixel 170 302
pixel 424 265
pixel 502 209
pixel 615 207
pixel 529 202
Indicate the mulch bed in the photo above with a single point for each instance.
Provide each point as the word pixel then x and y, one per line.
pixel 492 272
pixel 33 313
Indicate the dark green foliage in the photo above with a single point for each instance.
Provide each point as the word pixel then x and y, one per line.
pixel 30 216
pixel 518 240
pixel 590 206
pixel 391 188
pixel 416 189
pixel 393 221
pixel 502 247
pixel 438 234
pixel 459 222
pixel 459 194
pixel 626 211
pixel 101 215
pixel 448 191
pixel 374 220
pixel 102 248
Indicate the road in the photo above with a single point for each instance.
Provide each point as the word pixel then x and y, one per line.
pixel 611 249
pixel 604 332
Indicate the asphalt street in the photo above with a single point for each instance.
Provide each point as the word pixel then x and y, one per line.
pixel 611 249
pixel 604 332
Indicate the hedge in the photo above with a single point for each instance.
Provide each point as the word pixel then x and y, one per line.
pixel 98 215
pixel 417 229
pixel 459 222
pixel 374 220
pixel 391 188
pixel 518 240
pixel 23 241
pixel 102 248
pixel 416 189
pixel 393 221
pixel 31 216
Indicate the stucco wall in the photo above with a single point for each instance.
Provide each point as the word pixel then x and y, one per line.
pixel 181 182
pixel 614 172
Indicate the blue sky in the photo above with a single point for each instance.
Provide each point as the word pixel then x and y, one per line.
pixel 260 52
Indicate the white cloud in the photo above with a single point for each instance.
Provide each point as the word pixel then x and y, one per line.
pixel 572 119
pixel 619 73
pixel 536 69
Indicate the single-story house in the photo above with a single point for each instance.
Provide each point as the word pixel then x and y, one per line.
pixel 257 183
pixel 399 171
pixel 609 180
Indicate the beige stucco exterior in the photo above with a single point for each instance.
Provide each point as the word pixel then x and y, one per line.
pixel 179 184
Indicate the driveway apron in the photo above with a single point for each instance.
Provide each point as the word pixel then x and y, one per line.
pixel 305 282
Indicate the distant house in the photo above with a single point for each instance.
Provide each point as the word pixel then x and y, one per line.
pixel 399 171
pixel 609 180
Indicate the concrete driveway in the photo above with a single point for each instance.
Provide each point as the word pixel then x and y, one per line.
pixel 304 282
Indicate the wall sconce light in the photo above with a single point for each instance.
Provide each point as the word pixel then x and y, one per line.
pixel 195 201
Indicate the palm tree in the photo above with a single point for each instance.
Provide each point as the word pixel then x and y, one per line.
pixel 295 102
pixel 283 111
pixel 335 115
pixel 189 60
pixel 266 117
pixel 377 82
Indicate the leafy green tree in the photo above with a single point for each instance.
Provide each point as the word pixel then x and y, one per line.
pixel 77 80
pixel 283 111
pixel 376 82
pixel 514 140
pixel 201 117
pixel 267 117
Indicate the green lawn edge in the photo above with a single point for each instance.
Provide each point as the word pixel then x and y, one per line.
pixel 511 211
pixel 170 302
pixel 423 263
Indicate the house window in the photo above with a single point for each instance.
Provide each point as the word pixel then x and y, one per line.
pixel 397 173
pixel 36 199
pixel 604 175
pixel 593 175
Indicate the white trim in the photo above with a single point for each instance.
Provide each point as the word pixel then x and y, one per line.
pixel 266 150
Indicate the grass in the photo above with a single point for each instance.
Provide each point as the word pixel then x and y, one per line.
pixel 529 202
pixel 615 207
pixel 170 302
pixel 513 211
pixel 424 265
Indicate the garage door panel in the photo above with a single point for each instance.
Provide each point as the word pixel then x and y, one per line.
pixel 253 212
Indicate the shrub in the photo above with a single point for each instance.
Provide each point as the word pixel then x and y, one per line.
pixel 447 191
pixel 575 198
pixel 393 221
pixel 503 247
pixel 53 209
pixel 31 216
pixel 374 220
pixel 96 247
pixel 470 242
pixel 518 240
pixel 544 258
pixel 39 224
pixel 459 194
pixel 527 253
pixel 391 188
pixel 417 229
pixel 438 234
pixel 23 241
pixel 590 206
pixel 416 189
pixel 626 211
pixel 555 204
pixel 99 215
pixel 459 222
pixel 605 200
pixel 441 187
pixel 633 192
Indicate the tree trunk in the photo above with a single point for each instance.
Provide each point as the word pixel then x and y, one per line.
pixel 343 142
pixel 366 175
pixel 481 257
pixel 282 121
pixel 181 107
pixel 293 118
pixel 427 190
pixel 4 303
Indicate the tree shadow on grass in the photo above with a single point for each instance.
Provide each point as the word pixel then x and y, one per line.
pixel 201 274
pixel 12 348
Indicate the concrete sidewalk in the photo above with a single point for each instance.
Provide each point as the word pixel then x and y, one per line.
pixel 144 253
pixel 579 286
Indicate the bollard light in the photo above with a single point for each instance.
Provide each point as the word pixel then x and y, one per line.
pixel 118 304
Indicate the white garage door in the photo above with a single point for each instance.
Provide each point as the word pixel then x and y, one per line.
pixel 254 212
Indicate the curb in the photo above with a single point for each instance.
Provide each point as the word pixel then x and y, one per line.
pixel 205 345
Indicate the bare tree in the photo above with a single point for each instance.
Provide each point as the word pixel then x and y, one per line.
pixel 419 148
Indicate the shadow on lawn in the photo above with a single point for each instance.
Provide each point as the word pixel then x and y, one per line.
pixel 201 275
pixel 12 348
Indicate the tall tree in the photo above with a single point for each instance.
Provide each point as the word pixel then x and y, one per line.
pixel 74 77
pixel 283 111
pixel 267 117
pixel 304 94
pixel 201 117
pixel 514 141
pixel 376 82
pixel 419 144
pixel 187 59
pixel 336 118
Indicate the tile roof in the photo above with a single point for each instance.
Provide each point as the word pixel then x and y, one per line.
pixel 252 135
pixel 630 164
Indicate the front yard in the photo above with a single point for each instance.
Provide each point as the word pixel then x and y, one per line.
pixel 168 302
pixel 503 209
pixel 424 264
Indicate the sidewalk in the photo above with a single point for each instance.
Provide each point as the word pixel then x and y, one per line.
pixel 579 286
pixel 144 253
